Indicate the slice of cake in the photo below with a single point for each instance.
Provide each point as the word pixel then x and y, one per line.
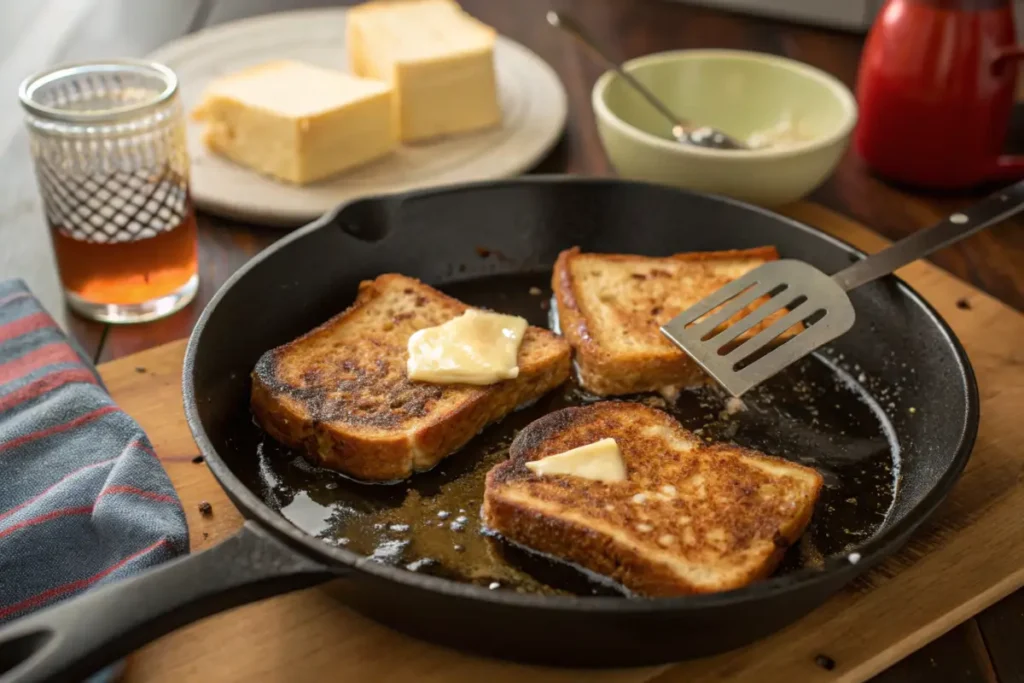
pixel 297 122
pixel 439 59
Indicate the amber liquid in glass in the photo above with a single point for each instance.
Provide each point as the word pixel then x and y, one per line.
pixel 128 272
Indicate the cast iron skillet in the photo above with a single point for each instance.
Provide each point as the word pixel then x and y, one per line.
pixel 491 243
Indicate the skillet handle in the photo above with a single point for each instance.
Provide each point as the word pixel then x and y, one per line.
pixel 76 638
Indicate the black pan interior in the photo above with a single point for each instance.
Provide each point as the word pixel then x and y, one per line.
pixel 879 413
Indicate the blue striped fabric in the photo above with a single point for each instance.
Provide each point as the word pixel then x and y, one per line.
pixel 83 498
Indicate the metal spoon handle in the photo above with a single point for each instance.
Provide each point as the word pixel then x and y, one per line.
pixel 986 213
pixel 570 26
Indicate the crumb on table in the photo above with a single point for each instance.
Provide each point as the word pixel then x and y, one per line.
pixel 825 662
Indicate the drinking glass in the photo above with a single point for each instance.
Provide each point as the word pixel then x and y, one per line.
pixel 108 141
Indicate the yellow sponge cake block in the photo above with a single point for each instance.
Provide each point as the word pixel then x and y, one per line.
pixel 298 122
pixel 439 59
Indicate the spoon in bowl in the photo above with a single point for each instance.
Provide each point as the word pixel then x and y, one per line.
pixel 682 130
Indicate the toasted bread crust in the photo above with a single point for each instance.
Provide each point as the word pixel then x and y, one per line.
pixel 340 393
pixel 658 533
pixel 605 373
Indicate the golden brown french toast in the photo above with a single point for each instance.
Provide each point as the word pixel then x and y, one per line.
pixel 691 517
pixel 611 306
pixel 341 393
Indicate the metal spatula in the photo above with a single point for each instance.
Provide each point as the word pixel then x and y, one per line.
pixel 805 294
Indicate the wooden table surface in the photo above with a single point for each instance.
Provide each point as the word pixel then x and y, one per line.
pixel 34 35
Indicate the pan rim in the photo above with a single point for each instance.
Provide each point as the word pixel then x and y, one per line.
pixel 880 546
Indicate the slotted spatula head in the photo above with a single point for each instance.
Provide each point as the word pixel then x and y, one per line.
pixel 738 355
pixel 739 361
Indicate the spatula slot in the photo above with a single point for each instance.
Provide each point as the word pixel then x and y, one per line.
pixel 780 340
pixel 746 320
pixel 749 330
pixel 770 333
pixel 814 317
pixel 742 330
pixel 734 310
pixel 718 307
pixel 727 302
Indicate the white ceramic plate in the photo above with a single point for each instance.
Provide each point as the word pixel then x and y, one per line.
pixel 533 104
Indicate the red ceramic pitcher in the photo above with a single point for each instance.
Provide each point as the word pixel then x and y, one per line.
pixel 935 90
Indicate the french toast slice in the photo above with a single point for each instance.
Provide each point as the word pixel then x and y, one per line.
pixel 691 517
pixel 341 392
pixel 611 306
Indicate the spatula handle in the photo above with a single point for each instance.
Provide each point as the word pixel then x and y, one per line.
pixel 994 209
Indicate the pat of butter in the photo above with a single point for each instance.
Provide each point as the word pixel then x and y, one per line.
pixel 438 58
pixel 600 461
pixel 478 347
pixel 297 122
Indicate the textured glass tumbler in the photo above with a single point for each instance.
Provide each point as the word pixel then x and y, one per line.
pixel 108 140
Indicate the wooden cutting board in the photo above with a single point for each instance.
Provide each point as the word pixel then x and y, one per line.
pixel 968 556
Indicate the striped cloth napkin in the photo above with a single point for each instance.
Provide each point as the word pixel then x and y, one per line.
pixel 83 498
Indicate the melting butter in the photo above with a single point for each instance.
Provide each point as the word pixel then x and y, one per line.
pixel 600 461
pixel 478 347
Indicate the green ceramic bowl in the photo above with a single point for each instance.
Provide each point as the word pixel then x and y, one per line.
pixel 740 93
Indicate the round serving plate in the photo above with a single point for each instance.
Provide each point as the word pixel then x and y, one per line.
pixel 533 103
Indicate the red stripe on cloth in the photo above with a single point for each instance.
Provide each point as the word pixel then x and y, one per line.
pixel 85 509
pixel 14 297
pixel 56 429
pixel 46 517
pixel 69 475
pixel 44 384
pixel 18 327
pixel 50 354
pixel 137 443
pixel 47 595
pixel 152 495
pixel 147 449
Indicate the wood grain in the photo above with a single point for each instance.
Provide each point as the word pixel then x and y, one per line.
pixel 952 658
pixel 969 555
pixel 1002 629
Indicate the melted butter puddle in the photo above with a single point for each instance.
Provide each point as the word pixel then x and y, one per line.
pixel 307 514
